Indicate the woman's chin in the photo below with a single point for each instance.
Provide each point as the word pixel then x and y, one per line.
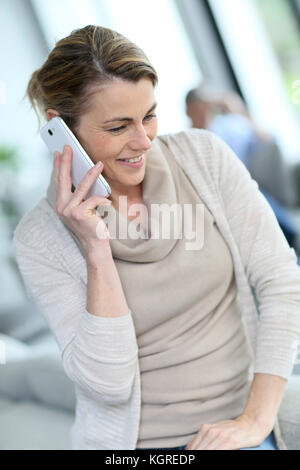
pixel 125 180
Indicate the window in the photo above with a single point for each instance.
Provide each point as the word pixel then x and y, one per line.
pixel 284 33
pixel 258 69
pixel 156 27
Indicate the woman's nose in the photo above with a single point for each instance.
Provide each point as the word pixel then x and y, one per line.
pixel 140 140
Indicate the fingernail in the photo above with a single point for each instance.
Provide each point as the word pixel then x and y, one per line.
pixel 105 203
pixel 99 164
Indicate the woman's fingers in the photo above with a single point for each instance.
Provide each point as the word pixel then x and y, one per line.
pixel 85 184
pixel 79 214
pixel 56 167
pixel 208 442
pixel 217 444
pixel 64 175
pixel 88 207
pixel 62 172
pixel 192 445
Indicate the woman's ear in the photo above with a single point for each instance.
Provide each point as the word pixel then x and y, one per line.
pixel 51 113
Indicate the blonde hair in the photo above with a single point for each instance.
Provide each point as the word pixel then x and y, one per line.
pixel 92 55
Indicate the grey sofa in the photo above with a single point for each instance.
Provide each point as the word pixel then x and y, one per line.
pixel 272 173
pixel 37 399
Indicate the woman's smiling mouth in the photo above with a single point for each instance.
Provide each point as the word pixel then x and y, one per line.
pixel 136 162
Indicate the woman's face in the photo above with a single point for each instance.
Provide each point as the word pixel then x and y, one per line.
pixel 121 123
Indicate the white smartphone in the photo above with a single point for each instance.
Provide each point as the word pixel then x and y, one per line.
pixel 56 134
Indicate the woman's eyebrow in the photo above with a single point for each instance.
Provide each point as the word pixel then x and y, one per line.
pixel 128 118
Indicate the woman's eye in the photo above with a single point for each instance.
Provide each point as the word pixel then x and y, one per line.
pixel 118 129
pixel 150 116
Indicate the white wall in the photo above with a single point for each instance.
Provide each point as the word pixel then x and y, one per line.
pixel 154 26
pixel 258 71
pixel 21 52
pixel 157 29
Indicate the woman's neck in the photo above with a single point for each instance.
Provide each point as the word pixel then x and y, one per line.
pixel 133 194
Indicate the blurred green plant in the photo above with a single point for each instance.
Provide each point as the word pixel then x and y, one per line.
pixel 9 158
pixel 10 167
pixel 283 31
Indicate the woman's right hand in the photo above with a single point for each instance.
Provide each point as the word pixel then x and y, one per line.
pixel 79 214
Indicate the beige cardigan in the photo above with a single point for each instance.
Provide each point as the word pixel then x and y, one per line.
pixel 107 382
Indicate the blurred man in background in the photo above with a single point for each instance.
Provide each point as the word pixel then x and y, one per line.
pixel 225 114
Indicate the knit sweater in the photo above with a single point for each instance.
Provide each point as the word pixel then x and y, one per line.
pixel 193 354
pixel 100 354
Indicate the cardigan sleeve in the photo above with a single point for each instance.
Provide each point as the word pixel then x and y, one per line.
pixel 99 354
pixel 269 262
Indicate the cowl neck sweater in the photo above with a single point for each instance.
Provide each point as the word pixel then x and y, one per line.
pixel 160 186
pixel 192 344
pixel 54 272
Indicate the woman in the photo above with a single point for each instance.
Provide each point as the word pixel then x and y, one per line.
pixel 160 336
